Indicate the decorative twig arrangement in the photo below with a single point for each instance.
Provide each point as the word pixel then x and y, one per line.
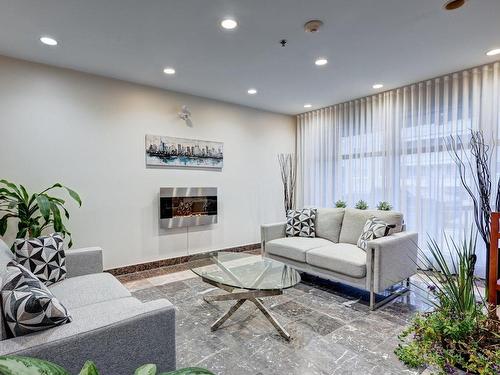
pixel 479 189
pixel 288 177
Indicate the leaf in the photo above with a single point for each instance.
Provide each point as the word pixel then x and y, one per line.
pixel 16 365
pixel 89 368
pixel 25 194
pixel 56 185
pixel 3 225
pixel 43 205
pixel 189 371
pixel 13 187
pixel 148 369
pixel 73 194
pixel 58 225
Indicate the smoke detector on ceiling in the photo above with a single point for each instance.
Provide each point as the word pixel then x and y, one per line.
pixel 313 26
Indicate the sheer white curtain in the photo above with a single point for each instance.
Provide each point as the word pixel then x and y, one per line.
pixel 392 146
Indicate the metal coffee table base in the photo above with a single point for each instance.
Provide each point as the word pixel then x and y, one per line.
pixel 242 295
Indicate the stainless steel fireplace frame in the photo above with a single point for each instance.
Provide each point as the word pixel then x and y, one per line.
pixel 187 221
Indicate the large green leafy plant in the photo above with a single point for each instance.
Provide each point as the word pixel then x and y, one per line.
pixel 460 331
pixel 16 365
pixel 34 212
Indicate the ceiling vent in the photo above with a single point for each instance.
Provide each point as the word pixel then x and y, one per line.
pixel 313 26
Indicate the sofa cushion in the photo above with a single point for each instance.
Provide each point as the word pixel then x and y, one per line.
pixel 354 221
pixel 79 291
pixel 374 228
pixel 294 248
pixel 43 256
pixel 28 306
pixel 301 223
pixel 343 258
pixel 329 223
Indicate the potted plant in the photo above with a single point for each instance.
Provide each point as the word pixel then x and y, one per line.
pixel 34 212
pixel 361 205
pixel 341 204
pixel 384 206
pixel 460 333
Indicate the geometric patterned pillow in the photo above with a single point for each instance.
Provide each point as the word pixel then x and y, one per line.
pixel 374 228
pixel 28 306
pixel 43 256
pixel 301 223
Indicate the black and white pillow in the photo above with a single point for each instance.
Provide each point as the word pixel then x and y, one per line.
pixel 43 256
pixel 301 223
pixel 28 306
pixel 374 228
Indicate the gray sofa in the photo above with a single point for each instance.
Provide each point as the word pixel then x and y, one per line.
pixel 333 254
pixel 110 327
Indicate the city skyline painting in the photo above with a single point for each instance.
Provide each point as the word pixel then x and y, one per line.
pixel 163 151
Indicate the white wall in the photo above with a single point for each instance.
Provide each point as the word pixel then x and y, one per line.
pixel 87 132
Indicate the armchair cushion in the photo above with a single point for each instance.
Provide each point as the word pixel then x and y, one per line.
pixel 354 221
pixel 86 290
pixel 43 256
pixel 28 306
pixel 343 258
pixel 294 248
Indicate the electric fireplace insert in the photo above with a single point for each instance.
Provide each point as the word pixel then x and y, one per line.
pixel 185 207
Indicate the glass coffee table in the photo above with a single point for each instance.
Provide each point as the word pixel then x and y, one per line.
pixel 246 278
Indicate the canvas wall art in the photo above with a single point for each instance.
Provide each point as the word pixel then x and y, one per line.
pixel 164 151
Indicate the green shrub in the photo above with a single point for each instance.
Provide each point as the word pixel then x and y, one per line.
pixel 341 204
pixel 384 206
pixel 460 332
pixel 361 205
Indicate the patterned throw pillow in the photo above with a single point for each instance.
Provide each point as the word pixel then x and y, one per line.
pixel 28 306
pixel 43 256
pixel 374 228
pixel 301 223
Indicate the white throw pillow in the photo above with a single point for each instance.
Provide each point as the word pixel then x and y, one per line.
pixel 374 228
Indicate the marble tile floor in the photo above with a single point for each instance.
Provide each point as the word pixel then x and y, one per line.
pixel 332 333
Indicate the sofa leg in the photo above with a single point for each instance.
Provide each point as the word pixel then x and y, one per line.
pixel 372 300
pixel 395 294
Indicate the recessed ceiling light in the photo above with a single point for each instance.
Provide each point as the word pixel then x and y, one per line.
pixel 169 71
pixel 321 61
pixel 229 24
pixel 48 41
pixel 307 105
pixel 252 91
pixel 493 52
pixel 378 86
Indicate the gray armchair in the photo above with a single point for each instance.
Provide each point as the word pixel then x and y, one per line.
pixel 118 332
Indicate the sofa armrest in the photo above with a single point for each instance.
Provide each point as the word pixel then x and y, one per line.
pixel 84 261
pixel 117 342
pixel 392 259
pixel 270 232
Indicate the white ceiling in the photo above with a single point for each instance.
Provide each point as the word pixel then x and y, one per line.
pixel 366 41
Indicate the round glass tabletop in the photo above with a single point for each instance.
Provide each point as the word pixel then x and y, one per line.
pixel 244 271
